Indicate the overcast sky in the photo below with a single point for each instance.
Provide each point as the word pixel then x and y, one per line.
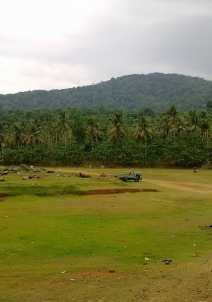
pixel 55 44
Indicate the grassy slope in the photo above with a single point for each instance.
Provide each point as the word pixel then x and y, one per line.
pixel 61 247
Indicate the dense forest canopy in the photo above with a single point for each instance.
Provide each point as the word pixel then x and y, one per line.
pixel 156 91
pixel 74 136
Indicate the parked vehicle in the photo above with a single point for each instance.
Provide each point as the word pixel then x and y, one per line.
pixel 135 176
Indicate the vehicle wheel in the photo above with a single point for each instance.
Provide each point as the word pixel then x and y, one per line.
pixel 136 179
pixel 125 179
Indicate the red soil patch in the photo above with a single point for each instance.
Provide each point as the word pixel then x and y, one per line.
pixel 113 191
pixel 105 191
pixel 4 195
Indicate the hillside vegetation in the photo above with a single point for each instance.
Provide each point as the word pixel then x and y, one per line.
pixel 156 91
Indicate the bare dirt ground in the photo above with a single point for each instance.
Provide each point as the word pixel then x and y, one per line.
pixel 188 186
pixel 187 282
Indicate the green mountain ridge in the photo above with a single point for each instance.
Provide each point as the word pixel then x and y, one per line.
pixel 156 91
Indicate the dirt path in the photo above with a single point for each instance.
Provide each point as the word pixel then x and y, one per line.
pixel 183 186
pixel 189 187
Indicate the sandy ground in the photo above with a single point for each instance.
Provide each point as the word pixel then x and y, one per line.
pixel 189 186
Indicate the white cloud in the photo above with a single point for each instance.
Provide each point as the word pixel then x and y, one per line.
pixel 63 43
pixel 35 76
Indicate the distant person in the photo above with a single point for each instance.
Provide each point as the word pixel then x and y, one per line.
pixel 195 169
pixel 129 171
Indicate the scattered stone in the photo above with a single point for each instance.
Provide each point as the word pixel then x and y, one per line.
pixel 36 170
pixel 50 171
pixel 111 271
pixel 82 175
pixel 167 261
pixel 205 226
pixel 32 177
pixel 5 172
pixel 103 175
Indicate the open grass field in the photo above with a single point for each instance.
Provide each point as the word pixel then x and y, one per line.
pixel 59 245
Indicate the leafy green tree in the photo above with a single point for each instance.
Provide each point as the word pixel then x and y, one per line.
pixel 209 105
pixel 74 153
pixel 103 152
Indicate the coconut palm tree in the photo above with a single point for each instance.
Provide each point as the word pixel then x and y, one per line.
pixel 193 121
pixel 179 127
pixel 204 125
pixel 34 133
pixel 92 130
pixel 142 132
pixel 116 129
pixel 63 127
pixel 164 126
pixel 166 123
pixel 17 135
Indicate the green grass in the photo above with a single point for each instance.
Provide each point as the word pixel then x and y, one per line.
pixel 42 236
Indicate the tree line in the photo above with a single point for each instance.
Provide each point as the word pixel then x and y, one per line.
pixel 105 137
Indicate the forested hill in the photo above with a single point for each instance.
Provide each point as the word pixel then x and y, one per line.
pixel 156 91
